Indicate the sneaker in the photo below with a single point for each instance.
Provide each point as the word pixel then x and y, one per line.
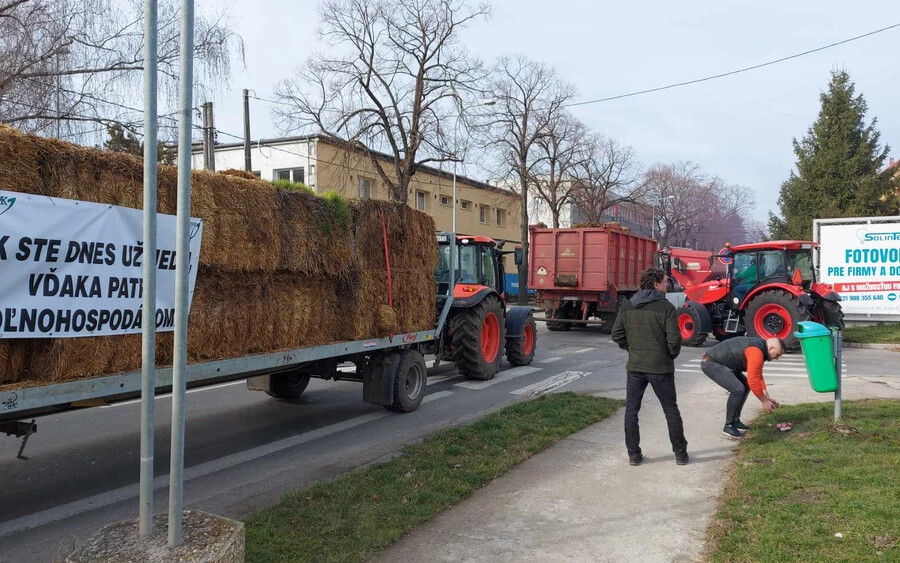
pixel 682 458
pixel 635 459
pixel 741 426
pixel 732 432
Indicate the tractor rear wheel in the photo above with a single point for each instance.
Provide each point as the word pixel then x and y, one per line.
pixel 776 314
pixel 832 313
pixel 520 350
pixel 689 325
pixel 479 334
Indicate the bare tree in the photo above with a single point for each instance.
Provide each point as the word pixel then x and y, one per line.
pixel 68 65
pixel 530 97
pixel 395 86
pixel 560 152
pixel 607 176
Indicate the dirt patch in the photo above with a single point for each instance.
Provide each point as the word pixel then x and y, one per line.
pixel 803 496
pixel 768 462
pixel 887 541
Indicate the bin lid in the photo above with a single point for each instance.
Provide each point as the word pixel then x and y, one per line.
pixel 809 329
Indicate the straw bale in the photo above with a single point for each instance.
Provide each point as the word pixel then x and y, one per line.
pixel 410 235
pixel 310 242
pixel 414 302
pixel 13 359
pixel 239 173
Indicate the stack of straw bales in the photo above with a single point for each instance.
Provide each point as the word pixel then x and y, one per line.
pixel 278 270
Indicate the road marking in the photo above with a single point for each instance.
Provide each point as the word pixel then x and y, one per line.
pixel 551 383
pixel 502 377
pixel 436 396
pixel 582 351
pixel 168 395
pixel 443 378
pixel 550 360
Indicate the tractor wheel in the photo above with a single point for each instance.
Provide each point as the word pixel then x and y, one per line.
pixel 479 334
pixel 689 324
pixel 832 314
pixel 775 314
pixel 559 313
pixel 520 351
pixel 288 385
pixel 409 383
pixel 720 334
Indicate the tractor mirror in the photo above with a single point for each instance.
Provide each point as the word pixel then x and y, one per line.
pixel 797 279
pixel 517 256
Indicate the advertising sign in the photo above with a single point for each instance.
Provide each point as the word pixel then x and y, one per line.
pixel 862 261
pixel 72 268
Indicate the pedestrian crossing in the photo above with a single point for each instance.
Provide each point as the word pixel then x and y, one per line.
pixel 786 366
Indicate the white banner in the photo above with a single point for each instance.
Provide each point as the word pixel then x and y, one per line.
pixel 863 264
pixel 73 268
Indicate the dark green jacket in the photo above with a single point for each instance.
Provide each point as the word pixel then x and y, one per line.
pixel 647 327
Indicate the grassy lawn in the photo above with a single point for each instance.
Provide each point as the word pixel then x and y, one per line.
pixel 354 516
pixel 884 333
pixel 791 492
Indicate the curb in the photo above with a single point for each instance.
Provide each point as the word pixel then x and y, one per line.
pixel 872 346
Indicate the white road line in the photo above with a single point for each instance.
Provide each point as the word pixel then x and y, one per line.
pixel 443 378
pixel 502 377
pixel 582 351
pixel 550 360
pixel 551 383
pixel 436 396
pixel 131 491
pixel 168 395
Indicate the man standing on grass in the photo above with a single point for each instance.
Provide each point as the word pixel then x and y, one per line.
pixel 726 363
pixel 647 328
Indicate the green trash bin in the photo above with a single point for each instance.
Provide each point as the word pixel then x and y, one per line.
pixel 816 343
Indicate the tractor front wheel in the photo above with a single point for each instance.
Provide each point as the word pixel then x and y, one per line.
pixel 776 314
pixel 689 325
pixel 520 350
pixel 479 335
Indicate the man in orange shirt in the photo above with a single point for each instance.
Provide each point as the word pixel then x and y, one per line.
pixel 726 363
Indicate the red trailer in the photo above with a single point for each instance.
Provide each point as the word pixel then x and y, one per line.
pixel 583 273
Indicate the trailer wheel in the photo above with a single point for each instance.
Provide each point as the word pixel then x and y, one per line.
pixel 409 383
pixel 520 351
pixel 609 319
pixel 689 325
pixel 776 314
pixel 559 313
pixel 287 385
pixel 479 334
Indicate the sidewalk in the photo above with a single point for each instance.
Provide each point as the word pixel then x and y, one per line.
pixel 581 501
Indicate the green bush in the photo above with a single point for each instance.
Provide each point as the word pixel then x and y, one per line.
pixel 289 186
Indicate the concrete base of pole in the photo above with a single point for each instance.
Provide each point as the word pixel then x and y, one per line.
pixel 206 538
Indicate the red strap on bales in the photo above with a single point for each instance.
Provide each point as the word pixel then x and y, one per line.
pixel 387 259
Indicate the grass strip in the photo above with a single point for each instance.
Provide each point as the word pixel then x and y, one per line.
pixel 876 334
pixel 354 516
pixel 791 492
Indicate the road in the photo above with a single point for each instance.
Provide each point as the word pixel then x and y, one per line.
pixel 244 449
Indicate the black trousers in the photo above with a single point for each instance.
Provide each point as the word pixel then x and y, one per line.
pixel 735 382
pixel 664 387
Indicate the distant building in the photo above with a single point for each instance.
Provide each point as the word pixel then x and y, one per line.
pixel 481 209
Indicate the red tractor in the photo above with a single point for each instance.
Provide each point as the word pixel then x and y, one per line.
pixel 481 326
pixel 769 288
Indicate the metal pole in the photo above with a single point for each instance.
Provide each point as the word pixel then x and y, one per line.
pixel 653 221
pixel 182 261
pixel 838 357
pixel 211 132
pixel 148 320
pixel 247 159
pixel 204 108
pixel 58 112
pixel 454 197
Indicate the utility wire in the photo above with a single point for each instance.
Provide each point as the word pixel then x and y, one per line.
pixel 733 72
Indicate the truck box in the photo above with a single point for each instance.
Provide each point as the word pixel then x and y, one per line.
pixel 581 273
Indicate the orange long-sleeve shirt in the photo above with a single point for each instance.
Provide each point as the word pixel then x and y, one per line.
pixel 755 361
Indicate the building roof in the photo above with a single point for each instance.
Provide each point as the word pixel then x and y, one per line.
pixel 197 148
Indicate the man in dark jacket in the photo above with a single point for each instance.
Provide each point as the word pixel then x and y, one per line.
pixel 647 328
pixel 726 363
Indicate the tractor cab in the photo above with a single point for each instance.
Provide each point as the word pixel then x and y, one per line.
pixel 757 266
pixel 478 267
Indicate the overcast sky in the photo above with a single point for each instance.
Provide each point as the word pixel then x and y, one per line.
pixel 739 127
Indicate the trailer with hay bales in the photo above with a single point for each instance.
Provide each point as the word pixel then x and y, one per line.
pixel 290 286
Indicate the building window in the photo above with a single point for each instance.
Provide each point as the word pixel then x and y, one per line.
pixel 290 174
pixel 465 204
pixel 421 198
pixel 500 213
pixel 482 214
pixel 445 200
pixel 257 173
pixel 364 188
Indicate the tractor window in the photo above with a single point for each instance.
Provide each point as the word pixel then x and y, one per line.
pixel 442 272
pixel 488 275
pixel 801 261
pixel 772 264
pixel 468 264
pixel 745 268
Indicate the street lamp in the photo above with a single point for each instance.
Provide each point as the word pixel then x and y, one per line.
pixel 653 215
pixel 456 159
